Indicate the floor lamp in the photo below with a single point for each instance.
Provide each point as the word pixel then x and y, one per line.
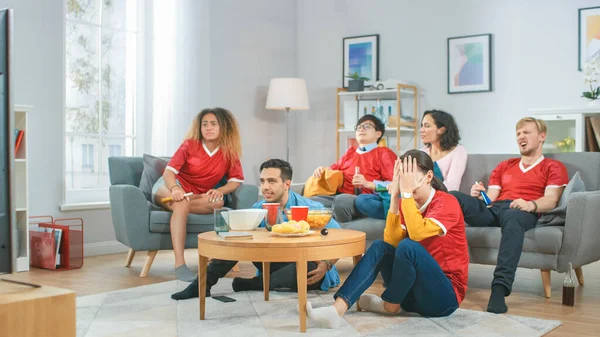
pixel 287 94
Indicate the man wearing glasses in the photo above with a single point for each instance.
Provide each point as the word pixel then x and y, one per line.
pixel 364 167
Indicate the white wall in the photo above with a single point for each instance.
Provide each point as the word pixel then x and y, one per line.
pixel 534 58
pixel 251 42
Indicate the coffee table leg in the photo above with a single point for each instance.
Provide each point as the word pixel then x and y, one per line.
pixel 202 264
pixel 301 274
pixel 266 278
pixel 356 260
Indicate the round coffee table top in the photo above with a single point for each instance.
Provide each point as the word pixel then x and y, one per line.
pixel 262 238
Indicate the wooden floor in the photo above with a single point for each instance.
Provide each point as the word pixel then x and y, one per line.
pixel 106 273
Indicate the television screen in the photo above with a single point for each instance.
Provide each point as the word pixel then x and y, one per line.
pixel 6 139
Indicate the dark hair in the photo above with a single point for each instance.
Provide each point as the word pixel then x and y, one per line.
pixel 282 165
pixel 379 126
pixel 450 138
pixel 425 165
pixel 229 134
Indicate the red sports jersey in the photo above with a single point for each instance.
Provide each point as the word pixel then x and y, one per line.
pixel 377 164
pixel 198 170
pixel 449 249
pixel 528 183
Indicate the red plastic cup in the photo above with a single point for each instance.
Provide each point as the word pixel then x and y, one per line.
pixel 272 213
pixel 299 213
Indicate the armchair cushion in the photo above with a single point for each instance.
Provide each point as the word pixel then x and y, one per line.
pixel 196 223
pixel 557 216
pixel 153 170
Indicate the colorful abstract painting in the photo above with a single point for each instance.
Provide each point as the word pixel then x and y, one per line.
pixel 361 55
pixel 469 64
pixel 589 34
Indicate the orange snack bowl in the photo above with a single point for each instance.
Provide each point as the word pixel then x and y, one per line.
pixel 317 218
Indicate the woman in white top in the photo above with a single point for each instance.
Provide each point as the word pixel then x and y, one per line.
pixel 440 135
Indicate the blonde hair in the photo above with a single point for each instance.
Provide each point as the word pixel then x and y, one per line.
pixel 540 124
pixel 229 135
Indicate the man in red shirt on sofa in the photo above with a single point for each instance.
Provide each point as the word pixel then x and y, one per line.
pixel 519 189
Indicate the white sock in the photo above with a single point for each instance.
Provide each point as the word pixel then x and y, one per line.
pixel 326 317
pixel 373 303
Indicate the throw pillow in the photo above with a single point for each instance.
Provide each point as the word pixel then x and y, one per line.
pixel 558 215
pixel 153 170
pixel 328 184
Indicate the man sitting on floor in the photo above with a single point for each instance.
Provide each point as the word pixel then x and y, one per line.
pixel 275 181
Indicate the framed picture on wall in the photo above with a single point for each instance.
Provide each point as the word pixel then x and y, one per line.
pixel 470 64
pixel 361 55
pixel 589 34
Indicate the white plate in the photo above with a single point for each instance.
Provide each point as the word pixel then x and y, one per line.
pixel 292 235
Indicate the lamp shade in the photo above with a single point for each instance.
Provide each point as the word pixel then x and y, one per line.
pixel 287 93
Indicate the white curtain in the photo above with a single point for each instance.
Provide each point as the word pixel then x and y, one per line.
pixel 179 69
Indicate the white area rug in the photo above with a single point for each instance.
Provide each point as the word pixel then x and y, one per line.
pixel 149 311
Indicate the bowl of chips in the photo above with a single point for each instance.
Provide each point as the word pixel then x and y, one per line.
pixel 316 219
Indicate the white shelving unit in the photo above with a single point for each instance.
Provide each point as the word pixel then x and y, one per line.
pixel 20 190
pixel 563 122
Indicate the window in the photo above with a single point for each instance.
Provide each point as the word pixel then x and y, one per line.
pixel 114 150
pixel 87 157
pixel 101 96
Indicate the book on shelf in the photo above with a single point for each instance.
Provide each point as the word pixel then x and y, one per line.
pixel 235 235
pixel 18 139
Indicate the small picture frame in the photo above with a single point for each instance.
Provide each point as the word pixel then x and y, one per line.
pixel 470 64
pixel 589 34
pixel 361 55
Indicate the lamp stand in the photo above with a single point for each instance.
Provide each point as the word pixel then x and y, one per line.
pixel 287 134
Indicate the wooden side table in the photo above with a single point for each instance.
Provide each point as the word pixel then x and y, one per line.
pixel 29 312
pixel 266 248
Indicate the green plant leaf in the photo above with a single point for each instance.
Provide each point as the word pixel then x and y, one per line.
pixel 587 94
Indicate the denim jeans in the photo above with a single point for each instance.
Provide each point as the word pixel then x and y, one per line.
pixel 413 278
pixel 513 223
pixel 370 205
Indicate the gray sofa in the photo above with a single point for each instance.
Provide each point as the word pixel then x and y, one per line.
pixel 544 248
pixel 142 226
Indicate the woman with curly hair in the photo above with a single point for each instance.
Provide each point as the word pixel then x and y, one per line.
pixel 440 135
pixel 207 165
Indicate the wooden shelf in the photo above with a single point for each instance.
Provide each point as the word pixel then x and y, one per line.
pixel 382 93
pixel 402 128
pixel 402 96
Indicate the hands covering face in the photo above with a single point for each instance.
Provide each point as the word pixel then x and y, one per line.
pixel 406 176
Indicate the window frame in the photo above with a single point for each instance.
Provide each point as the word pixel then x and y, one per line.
pixel 76 199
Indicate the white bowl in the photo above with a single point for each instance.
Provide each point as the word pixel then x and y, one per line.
pixel 244 219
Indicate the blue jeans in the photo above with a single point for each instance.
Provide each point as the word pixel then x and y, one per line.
pixel 370 205
pixel 413 278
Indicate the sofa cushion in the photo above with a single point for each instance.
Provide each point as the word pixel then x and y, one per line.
pixel 372 227
pixel 545 240
pixel 153 170
pixel 159 222
pixel 557 216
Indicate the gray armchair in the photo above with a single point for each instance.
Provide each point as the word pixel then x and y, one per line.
pixel 143 226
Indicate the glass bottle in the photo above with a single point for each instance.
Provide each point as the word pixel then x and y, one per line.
pixel 357 188
pixel 569 288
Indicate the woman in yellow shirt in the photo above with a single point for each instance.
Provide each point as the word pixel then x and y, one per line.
pixel 423 258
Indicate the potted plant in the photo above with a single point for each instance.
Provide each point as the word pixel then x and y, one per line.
pixel 356 82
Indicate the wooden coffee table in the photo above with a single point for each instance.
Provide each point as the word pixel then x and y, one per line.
pixel 266 248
